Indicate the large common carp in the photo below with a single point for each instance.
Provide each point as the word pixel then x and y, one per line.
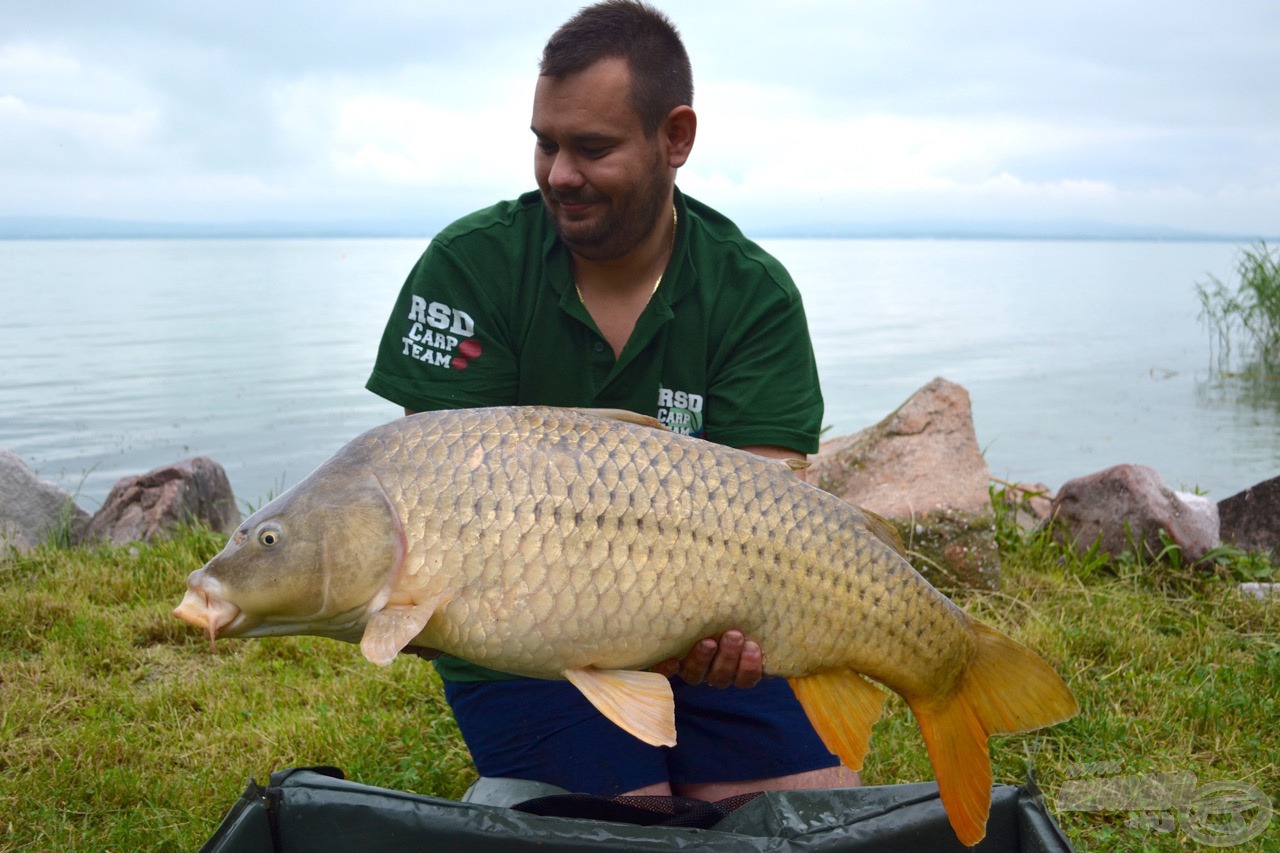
pixel 557 543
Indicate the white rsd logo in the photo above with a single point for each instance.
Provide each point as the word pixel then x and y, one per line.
pixel 435 332
pixel 680 411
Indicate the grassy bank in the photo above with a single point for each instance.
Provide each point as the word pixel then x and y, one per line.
pixel 120 729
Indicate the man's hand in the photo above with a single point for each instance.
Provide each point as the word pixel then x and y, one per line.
pixel 732 660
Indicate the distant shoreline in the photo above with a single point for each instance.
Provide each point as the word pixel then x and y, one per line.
pixel 56 228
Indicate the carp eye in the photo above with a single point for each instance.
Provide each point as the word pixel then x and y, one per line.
pixel 269 536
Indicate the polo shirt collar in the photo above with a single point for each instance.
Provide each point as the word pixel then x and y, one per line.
pixel 678 279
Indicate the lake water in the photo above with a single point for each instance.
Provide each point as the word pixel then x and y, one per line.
pixel 117 356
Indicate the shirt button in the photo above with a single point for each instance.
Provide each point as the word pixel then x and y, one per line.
pixel 599 346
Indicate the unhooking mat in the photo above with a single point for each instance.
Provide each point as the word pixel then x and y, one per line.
pixel 315 809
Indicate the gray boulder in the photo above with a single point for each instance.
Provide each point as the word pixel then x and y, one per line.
pixel 32 509
pixel 921 468
pixel 147 506
pixel 1129 505
pixel 1251 519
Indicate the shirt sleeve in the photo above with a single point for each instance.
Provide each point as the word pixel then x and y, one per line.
pixel 445 344
pixel 764 387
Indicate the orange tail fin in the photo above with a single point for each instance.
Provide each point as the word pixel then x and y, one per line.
pixel 1006 688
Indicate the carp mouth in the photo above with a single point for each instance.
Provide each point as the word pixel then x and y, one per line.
pixel 206 610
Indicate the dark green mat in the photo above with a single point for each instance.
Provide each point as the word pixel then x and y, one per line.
pixel 314 809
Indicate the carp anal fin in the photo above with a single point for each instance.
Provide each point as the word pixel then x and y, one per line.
pixel 391 628
pixel 842 706
pixel 626 417
pixel 640 703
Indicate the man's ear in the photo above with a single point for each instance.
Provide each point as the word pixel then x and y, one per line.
pixel 679 130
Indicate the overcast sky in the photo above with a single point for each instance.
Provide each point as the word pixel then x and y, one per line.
pixel 811 112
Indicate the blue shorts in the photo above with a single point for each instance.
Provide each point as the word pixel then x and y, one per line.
pixel 548 732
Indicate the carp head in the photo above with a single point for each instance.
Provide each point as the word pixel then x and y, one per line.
pixel 319 559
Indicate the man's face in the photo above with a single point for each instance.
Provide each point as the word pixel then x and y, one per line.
pixel 605 184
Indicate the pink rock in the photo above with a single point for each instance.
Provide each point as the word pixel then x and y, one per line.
pixel 1128 504
pixel 145 506
pixel 921 468
pixel 922 458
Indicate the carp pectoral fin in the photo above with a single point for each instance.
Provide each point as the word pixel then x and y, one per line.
pixel 1006 688
pixel 391 628
pixel 842 706
pixel 626 416
pixel 640 703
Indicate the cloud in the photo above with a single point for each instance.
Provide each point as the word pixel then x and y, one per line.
pixel 827 109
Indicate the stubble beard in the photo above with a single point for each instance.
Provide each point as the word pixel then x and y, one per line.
pixel 621 227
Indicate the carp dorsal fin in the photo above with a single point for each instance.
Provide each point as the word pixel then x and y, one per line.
pixel 884 530
pixel 640 703
pixel 626 416
pixel 393 627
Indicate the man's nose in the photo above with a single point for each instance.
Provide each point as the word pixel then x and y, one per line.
pixel 564 173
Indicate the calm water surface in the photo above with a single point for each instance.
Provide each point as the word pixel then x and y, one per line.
pixel 120 355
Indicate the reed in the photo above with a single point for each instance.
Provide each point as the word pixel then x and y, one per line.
pixel 1248 313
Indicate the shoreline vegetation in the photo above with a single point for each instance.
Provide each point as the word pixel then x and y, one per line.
pixel 122 729
pixel 1246 317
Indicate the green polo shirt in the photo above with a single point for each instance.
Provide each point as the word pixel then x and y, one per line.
pixel 489 316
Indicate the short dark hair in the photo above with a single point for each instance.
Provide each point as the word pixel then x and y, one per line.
pixel 661 77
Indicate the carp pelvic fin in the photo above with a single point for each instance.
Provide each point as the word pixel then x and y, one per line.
pixel 797 464
pixel 392 628
pixel 842 706
pixel 1006 688
pixel 626 417
pixel 640 703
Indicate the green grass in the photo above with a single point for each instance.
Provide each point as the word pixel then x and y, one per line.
pixel 120 729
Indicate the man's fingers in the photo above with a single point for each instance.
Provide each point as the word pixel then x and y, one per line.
pixel 667 667
pixel 750 665
pixel 723 670
pixel 731 660
pixel 697 663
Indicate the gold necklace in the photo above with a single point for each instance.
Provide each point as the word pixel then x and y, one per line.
pixel 675 223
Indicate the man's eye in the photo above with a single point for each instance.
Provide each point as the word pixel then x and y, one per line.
pixel 594 153
pixel 547 147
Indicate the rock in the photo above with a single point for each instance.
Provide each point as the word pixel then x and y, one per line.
pixel 921 468
pixel 1251 519
pixel 922 458
pixel 1261 591
pixel 953 549
pixel 33 509
pixel 1128 504
pixel 146 506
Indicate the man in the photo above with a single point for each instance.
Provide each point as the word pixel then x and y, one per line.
pixel 609 288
